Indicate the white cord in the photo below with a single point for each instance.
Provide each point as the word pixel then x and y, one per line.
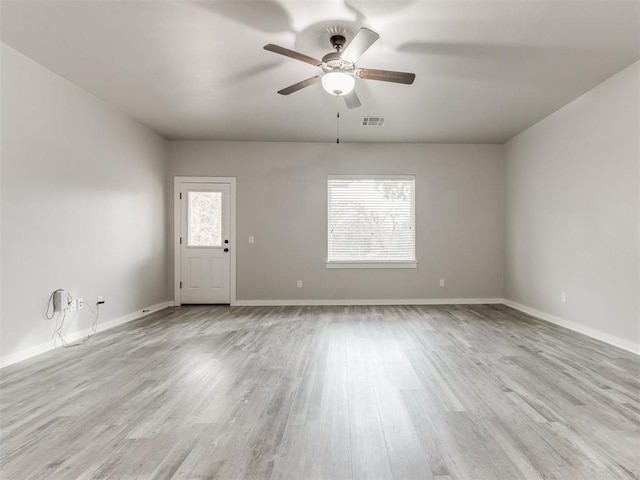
pixel 94 324
pixel 49 313
pixel 58 331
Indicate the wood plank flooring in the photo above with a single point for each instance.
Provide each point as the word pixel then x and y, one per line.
pixel 412 392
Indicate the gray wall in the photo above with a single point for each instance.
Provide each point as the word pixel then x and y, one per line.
pixel 572 212
pixel 281 199
pixel 83 206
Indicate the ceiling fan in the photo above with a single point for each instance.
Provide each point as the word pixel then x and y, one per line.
pixel 339 69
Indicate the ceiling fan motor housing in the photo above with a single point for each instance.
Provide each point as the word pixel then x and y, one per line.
pixel 333 61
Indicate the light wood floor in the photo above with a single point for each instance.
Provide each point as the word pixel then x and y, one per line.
pixel 445 392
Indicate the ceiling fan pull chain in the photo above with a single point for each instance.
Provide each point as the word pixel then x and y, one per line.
pixel 337 118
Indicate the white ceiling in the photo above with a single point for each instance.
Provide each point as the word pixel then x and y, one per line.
pixel 197 70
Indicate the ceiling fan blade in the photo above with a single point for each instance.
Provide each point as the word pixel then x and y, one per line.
pixel 351 99
pixel 360 43
pixel 295 55
pixel 385 75
pixel 300 85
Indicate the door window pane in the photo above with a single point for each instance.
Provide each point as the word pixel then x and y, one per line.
pixel 204 219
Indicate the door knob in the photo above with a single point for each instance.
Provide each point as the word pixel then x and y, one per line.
pixel 226 249
pixel 226 241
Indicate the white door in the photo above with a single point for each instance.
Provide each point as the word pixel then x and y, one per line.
pixel 204 243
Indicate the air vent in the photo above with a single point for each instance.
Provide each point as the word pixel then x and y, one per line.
pixel 372 121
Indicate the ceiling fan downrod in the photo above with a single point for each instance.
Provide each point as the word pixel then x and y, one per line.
pixel 338 41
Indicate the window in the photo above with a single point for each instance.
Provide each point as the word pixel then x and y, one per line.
pixel 204 219
pixel 371 221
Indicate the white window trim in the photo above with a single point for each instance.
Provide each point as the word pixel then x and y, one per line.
pixel 383 264
pixel 378 264
pixel 371 177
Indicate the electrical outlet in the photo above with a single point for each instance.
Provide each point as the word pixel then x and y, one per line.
pixel 80 304
pixel 251 239
pixel 563 297
pixel 73 305
pixel 442 282
pixel 299 283
pixel 100 300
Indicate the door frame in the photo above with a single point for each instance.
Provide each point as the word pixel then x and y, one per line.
pixel 177 226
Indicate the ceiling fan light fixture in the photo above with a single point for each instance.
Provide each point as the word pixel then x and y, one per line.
pixel 338 83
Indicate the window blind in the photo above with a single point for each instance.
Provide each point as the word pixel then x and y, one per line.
pixel 371 219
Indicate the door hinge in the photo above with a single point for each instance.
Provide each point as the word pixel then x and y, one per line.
pixel 180 240
pixel 180 195
pixel 180 284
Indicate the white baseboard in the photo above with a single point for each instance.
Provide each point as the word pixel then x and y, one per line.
pixel 589 332
pixel 80 334
pixel 413 301
pixel 627 345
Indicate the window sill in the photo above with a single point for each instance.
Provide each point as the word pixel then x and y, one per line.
pixel 372 264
